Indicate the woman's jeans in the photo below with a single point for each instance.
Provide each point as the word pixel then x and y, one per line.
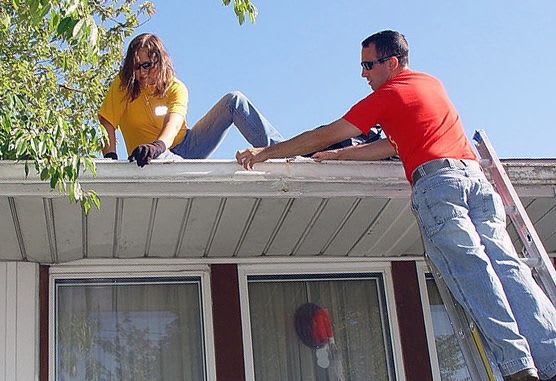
pixel 205 136
pixel 463 224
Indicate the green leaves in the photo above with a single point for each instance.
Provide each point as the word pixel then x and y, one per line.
pixel 58 57
pixel 39 12
pixel 86 30
pixel 4 21
pixel 243 8
pixel 65 26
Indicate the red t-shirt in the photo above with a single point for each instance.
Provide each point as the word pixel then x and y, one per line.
pixel 417 117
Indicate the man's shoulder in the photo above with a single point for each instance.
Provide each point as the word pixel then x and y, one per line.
pixel 410 79
pixel 408 73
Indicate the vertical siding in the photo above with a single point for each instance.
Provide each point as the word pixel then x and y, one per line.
pixel 19 321
pixel 411 321
pixel 226 312
pixel 44 299
pixel 3 303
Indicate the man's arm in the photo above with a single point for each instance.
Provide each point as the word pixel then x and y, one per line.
pixel 378 150
pixel 310 141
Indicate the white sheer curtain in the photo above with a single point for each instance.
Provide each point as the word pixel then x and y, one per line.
pixel 356 310
pixel 145 330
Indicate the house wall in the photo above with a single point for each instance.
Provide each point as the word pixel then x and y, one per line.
pixel 412 361
pixel 20 312
pixel 19 316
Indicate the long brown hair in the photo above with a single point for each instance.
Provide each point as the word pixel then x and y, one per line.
pixel 160 58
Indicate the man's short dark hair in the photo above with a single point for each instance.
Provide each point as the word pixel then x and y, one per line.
pixel 389 43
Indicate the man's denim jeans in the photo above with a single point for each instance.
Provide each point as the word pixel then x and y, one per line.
pixel 205 136
pixel 463 224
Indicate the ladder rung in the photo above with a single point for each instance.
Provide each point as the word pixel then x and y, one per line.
pixel 533 263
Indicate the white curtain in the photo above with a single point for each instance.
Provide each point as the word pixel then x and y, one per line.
pixel 356 313
pixel 129 331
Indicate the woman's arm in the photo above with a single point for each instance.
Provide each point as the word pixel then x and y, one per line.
pixel 109 148
pixel 170 128
pixel 144 153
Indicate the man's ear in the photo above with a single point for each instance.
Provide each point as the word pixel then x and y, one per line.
pixel 393 63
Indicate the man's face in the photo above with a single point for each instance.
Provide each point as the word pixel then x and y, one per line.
pixel 379 73
pixel 146 69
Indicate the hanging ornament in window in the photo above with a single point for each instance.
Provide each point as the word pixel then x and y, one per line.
pixel 314 329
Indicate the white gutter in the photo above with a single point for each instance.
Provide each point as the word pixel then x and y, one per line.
pixel 276 178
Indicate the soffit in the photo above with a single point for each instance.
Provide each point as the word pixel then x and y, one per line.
pixel 203 209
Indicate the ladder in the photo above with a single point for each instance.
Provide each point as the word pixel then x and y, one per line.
pixel 479 361
pixel 533 250
pixel 478 358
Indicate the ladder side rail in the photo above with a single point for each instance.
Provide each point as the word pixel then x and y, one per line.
pixel 478 369
pixel 534 248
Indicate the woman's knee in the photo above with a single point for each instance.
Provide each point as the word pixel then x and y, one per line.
pixel 235 97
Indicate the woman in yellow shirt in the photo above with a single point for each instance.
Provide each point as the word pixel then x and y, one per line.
pixel 148 103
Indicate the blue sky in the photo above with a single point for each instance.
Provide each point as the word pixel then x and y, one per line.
pixel 299 63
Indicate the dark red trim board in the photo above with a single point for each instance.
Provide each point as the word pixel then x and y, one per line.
pixel 43 322
pixel 226 314
pixel 411 321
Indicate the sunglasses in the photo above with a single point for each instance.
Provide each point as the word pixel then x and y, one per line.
pixel 145 65
pixel 368 65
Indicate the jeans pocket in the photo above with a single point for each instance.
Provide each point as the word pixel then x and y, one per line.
pixel 438 203
pixel 492 205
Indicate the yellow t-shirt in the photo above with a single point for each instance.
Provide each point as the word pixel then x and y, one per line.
pixel 141 120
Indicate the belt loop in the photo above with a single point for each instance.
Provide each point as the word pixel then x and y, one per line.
pixel 421 170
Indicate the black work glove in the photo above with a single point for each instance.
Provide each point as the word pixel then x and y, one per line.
pixel 111 155
pixel 144 153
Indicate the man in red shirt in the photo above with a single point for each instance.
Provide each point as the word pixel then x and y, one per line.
pixel 462 219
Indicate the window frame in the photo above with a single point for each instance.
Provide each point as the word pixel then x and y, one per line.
pixel 422 271
pixel 325 268
pixel 137 269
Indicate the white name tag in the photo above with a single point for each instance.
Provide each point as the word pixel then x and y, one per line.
pixel 160 110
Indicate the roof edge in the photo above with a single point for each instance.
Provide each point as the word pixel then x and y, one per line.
pixel 275 178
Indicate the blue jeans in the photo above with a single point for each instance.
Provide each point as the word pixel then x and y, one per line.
pixel 463 224
pixel 205 136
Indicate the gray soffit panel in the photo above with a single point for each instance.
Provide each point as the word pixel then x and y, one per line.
pixel 208 209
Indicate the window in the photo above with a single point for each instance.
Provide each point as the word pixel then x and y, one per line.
pixel 451 362
pixel 129 329
pixel 291 338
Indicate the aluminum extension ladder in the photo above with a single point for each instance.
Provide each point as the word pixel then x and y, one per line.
pixel 478 359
